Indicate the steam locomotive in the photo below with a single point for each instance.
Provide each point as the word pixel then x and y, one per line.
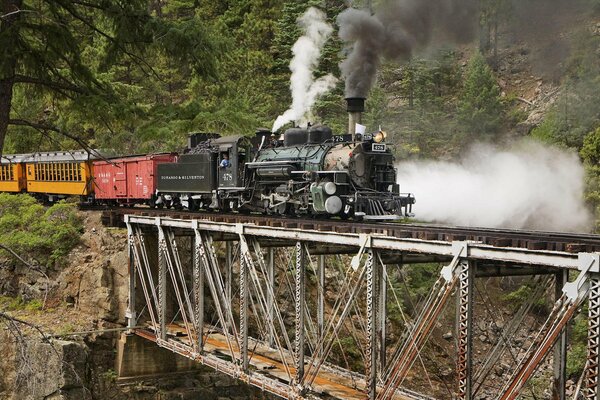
pixel 309 172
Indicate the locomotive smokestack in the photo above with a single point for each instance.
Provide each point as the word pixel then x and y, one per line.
pixel 355 108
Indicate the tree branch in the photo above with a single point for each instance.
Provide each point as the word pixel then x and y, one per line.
pixel 43 128
pixel 51 84
pixel 138 60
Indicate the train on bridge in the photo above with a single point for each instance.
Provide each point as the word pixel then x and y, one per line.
pixel 307 172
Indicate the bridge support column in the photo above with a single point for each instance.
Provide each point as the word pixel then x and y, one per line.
pixel 593 357
pixel 198 282
pixel 371 353
pixel 560 348
pixel 270 299
pixel 321 300
pixel 466 275
pixel 244 298
pixel 300 279
pixel 131 313
pixel 382 315
pixel 228 270
pixel 162 282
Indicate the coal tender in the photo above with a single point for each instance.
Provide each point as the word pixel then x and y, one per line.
pixel 310 172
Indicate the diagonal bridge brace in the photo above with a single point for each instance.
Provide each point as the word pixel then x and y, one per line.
pixel 574 294
pixel 418 334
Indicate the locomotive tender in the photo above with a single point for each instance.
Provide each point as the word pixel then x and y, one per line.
pixel 309 172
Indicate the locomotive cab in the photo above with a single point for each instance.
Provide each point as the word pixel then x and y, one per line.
pixel 233 151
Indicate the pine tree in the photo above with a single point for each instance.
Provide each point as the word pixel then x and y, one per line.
pixel 64 52
pixel 480 109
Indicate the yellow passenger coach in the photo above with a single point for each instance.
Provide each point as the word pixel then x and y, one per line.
pixel 59 174
pixel 12 174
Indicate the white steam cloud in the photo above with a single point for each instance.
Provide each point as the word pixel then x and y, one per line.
pixel 530 186
pixel 307 51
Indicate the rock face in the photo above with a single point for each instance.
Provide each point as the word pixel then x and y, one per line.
pixel 55 370
pixel 87 294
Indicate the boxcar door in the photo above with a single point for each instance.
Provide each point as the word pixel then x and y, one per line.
pixel 120 180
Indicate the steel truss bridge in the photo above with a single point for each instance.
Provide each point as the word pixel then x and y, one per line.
pixel 271 306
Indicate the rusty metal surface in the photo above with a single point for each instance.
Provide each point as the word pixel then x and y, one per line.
pixel 264 362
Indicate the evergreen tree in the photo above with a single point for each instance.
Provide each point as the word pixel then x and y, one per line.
pixel 480 108
pixel 577 111
pixel 63 52
pixel 591 157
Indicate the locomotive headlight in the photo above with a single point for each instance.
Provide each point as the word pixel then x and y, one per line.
pixel 380 137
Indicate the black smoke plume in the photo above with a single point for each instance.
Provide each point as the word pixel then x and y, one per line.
pixel 397 30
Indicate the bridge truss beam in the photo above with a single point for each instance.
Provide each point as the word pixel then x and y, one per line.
pixel 241 327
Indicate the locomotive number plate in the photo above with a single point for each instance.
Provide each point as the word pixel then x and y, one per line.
pixel 379 147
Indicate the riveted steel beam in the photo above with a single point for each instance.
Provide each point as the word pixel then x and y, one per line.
pixel 591 390
pixel 477 251
pixel 131 314
pixel 464 366
pixel 560 348
pixel 300 304
pixel 162 282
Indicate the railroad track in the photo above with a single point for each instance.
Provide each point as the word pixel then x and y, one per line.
pixel 533 240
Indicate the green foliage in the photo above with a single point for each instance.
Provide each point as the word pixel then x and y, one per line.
pixel 517 298
pixel 424 98
pixel 591 156
pixel 32 231
pixel 576 113
pixel 19 304
pixel 480 109
pixel 578 351
pixel 103 70
pixel 350 351
pixel 66 329
pixel 591 148
pixel 420 278
pixel 109 375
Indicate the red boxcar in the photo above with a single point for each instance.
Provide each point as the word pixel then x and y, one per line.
pixel 130 180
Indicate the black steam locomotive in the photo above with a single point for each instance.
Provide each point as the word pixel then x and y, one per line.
pixel 309 172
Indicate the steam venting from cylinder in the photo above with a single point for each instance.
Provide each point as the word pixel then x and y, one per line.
pixel 355 107
pixel 397 30
pixel 307 52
